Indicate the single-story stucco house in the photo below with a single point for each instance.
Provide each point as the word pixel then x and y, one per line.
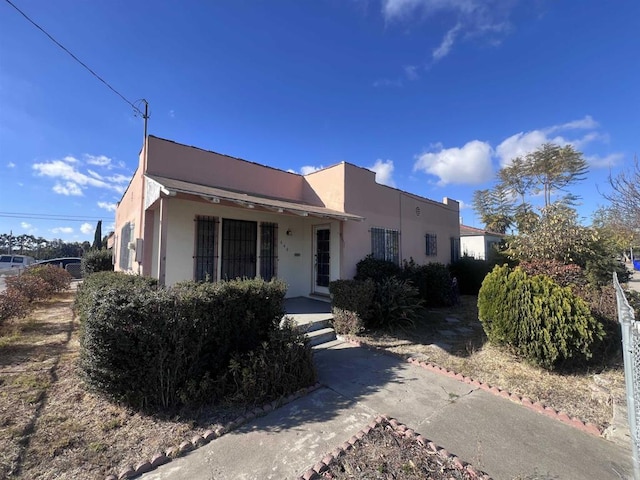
pixel 478 243
pixel 192 214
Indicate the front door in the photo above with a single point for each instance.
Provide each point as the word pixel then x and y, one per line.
pixel 239 249
pixel 322 259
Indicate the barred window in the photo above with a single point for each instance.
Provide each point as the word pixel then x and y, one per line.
pixel 206 257
pixel 385 244
pixel 126 234
pixel 455 249
pixel 431 245
pixel 268 250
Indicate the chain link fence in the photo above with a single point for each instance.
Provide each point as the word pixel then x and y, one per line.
pixel 631 355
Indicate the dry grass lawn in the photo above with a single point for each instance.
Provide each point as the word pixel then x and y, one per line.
pixel 453 338
pixel 52 427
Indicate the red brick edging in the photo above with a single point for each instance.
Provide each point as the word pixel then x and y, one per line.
pixel 319 470
pixel 176 451
pixel 524 401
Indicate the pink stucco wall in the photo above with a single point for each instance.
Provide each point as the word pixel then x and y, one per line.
pixel 191 164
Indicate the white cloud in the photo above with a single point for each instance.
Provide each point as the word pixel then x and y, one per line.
pixel 307 169
pixel 172 114
pixel 411 72
pixel 28 227
pixel 447 43
pixel 109 207
pixel 86 228
pixel 384 172
pixel 607 161
pixel 69 189
pixel 470 164
pixel 386 82
pixel 75 179
pixel 70 159
pixel 523 143
pixel 467 19
pixel 11 165
pixel 99 160
pixel 62 230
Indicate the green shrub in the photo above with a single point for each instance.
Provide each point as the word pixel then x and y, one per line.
pixel 397 303
pixel 13 305
pixel 100 280
pixel 33 288
pixel 376 269
pixel 470 273
pixel 433 282
pixel 541 321
pixel 279 366
pixel 96 261
pixel 351 305
pixel 57 278
pixel 157 348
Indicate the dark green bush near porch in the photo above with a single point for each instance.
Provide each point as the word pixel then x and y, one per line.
pixel 539 320
pixel 96 261
pixel 397 303
pixel 156 348
pixel 351 305
pixel 278 366
pixel 432 280
pixel 470 273
pixel 376 269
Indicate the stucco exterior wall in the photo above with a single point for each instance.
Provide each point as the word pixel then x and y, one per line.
pixel 327 187
pixel 192 164
pixel 390 208
pixel 295 256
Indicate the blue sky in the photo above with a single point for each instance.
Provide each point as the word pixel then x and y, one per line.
pixel 434 95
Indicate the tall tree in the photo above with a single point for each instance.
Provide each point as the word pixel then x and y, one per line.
pixel 554 168
pixel 494 208
pixel 625 197
pixel 97 237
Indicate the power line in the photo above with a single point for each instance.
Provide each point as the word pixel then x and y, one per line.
pixel 45 216
pixel 76 58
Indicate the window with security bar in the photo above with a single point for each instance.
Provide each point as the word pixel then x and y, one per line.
pixel 385 244
pixel 126 236
pixel 268 250
pixel 431 249
pixel 206 254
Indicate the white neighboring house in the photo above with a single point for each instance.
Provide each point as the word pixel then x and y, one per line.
pixel 476 243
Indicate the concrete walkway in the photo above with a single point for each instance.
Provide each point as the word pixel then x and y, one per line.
pixel 496 435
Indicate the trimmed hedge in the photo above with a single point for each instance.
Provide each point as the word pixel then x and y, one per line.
pixel 470 273
pixel 58 279
pixel 537 318
pixel 157 348
pixel 376 269
pixel 95 261
pixel 433 282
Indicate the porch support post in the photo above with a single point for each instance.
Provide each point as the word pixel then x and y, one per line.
pixel 162 247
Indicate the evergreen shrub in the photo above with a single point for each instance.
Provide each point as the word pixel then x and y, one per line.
pixel 376 269
pixel 538 319
pixel 397 303
pixel 96 261
pixel 470 273
pixel 57 278
pixel 433 282
pixel 351 305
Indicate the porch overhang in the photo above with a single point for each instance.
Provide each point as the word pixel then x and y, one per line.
pixel 170 186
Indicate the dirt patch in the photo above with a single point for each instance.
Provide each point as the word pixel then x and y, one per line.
pixel 386 452
pixel 53 427
pixel 453 338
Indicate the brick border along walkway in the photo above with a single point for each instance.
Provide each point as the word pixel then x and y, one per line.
pixel 524 401
pixel 319 470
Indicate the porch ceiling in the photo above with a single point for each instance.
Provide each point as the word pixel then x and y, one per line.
pixel 171 186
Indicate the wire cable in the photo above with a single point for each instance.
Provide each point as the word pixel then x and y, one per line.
pixel 75 58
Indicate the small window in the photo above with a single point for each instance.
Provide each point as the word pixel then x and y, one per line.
pixel 431 245
pixel 455 249
pixel 385 244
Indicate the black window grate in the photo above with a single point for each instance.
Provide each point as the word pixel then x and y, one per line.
pixel 323 251
pixel 385 244
pixel 239 249
pixel 206 257
pixel 455 249
pixel 268 250
pixel 431 242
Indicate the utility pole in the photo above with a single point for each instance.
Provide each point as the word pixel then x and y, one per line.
pixel 145 156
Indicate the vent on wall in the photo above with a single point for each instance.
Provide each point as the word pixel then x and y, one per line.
pixel 417 211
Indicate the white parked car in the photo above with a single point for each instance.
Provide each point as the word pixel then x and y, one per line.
pixel 15 261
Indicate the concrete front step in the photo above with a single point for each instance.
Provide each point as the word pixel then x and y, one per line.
pixel 321 336
pixel 311 322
